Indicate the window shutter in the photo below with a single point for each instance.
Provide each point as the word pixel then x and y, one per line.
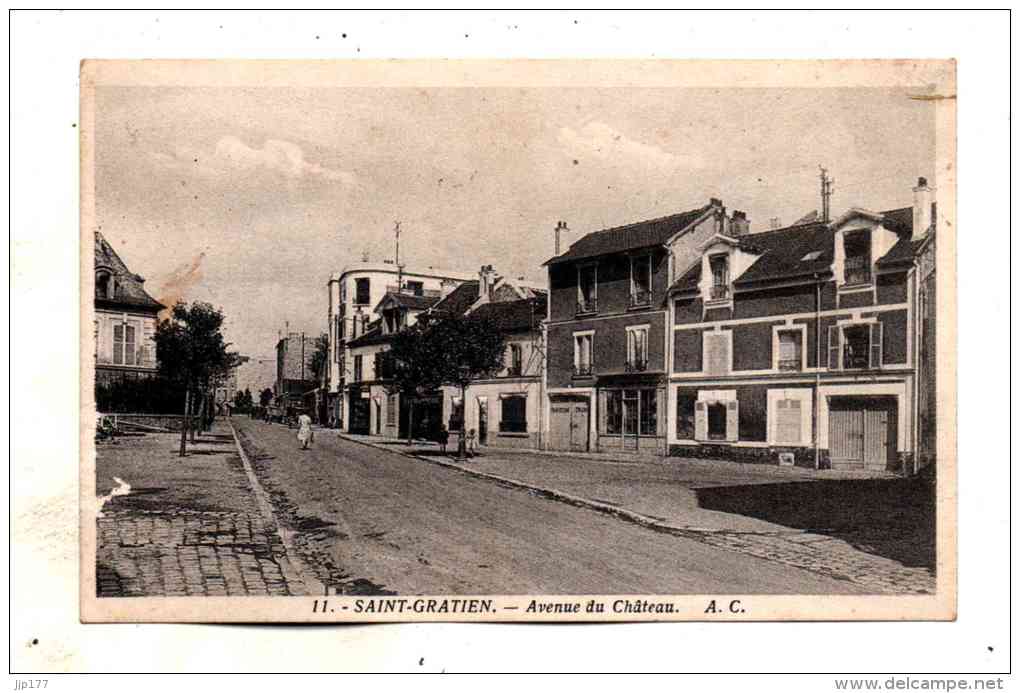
pixel 788 421
pixel 732 420
pixel 717 358
pixel 700 421
pixel 834 347
pixel 876 345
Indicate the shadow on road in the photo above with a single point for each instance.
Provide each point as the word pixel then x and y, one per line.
pixel 894 518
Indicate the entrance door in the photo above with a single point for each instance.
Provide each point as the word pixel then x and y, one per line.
pixel 483 421
pixel 568 424
pixel 378 417
pixel 359 414
pixel 862 432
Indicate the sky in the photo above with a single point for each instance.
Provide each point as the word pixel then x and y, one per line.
pixel 249 198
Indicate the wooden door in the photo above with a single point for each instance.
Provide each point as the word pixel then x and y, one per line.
pixel 568 425
pixel 579 426
pixel 846 434
pixel 862 433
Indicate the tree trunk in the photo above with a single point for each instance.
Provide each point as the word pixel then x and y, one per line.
pixel 196 407
pixel 461 440
pixel 184 422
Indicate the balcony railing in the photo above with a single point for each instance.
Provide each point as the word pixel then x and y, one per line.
pixel 590 305
pixel 514 370
pixel 636 365
pixel 583 370
pixel 857 275
pixel 640 297
pixel 789 364
pixel 719 292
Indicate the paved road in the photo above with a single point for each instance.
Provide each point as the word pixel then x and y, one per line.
pixel 368 520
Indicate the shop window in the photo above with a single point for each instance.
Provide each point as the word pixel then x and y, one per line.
pixel 614 412
pixel 648 412
pixel 514 414
pixel 632 412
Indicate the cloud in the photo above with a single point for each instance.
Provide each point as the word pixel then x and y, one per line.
pixel 230 156
pixel 602 142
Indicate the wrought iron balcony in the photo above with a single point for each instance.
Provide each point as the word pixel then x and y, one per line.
pixel 640 298
pixel 583 370
pixel 590 305
pixel 636 365
pixel 719 292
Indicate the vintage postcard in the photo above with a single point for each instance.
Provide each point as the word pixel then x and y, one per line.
pixel 518 341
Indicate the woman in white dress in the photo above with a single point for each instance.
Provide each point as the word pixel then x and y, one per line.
pixel 304 434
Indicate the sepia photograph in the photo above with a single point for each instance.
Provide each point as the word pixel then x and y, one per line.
pixel 499 341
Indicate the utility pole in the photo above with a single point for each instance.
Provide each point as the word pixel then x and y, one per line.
pixel 400 268
pixel 827 189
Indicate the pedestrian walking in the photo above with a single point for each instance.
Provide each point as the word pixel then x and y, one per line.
pixel 304 434
pixel 443 437
pixel 471 437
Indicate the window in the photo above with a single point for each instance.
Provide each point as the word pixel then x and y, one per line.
pixel 790 348
pixel 341 326
pixel 364 324
pixel 648 413
pixel 587 300
pixel 855 346
pixel 383 366
pixel 637 349
pixel 456 414
pixel 358 368
pixel 516 360
pixel 104 285
pixel 641 280
pixel 632 412
pixel 514 414
pixel 788 421
pixel 717 421
pixel 716 346
pixel 124 345
pixel 415 288
pixel 583 354
pixel 362 293
pixel 684 415
pixel 719 265
pixel 857 257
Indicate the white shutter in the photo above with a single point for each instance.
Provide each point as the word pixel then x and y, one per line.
pixel 717 353
pixel 788 421
pixel 876 345
pixel 732 420
pixel 834 355
pixel 700 421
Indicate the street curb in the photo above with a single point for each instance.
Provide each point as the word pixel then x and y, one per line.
pixel 561 496
pixel 291 566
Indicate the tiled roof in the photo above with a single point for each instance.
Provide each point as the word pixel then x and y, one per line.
pixel 902 253
pixel 902 219
pixel 794 251
pixel 632 236
pixel 513 316
pixel 129 288
pixel 460 299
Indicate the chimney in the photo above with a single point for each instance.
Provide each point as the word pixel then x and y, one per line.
pixel 924 208
pixel 560 226
pixel 720 214
pixel 739 224
pixel 486 278
pixel 445 287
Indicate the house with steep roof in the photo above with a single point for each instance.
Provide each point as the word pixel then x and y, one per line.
pixel 606 329
pixel 800 345
pixel 125 319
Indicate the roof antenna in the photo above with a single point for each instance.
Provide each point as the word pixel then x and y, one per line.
pixel 827 189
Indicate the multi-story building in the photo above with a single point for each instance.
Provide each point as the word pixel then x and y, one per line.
pixel 294 368
pixel 353 295
pixel 606 329
pixel 506 409
pixel 798 345
pixel 125 319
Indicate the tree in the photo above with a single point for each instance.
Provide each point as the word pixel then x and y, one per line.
pixel 447 350
pixel 414 367
pixel 191 351
pixel 320 354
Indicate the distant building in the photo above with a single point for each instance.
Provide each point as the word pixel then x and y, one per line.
pixel 294 368
pixel 125 319
pixel 354 294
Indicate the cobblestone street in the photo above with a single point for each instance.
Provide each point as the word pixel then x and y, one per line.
pixel 189 526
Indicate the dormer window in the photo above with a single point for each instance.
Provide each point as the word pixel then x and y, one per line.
pixel 719 265
pixel 857 253
pixel 641 280
pixel 105 285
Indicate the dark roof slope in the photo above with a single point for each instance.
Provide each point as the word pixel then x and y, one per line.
pixel 513 316
pixel 788 253
pixel 410 300
pixel 902 220
pixel 638 235
pixel 129 289
pixel 460 299
pixel 902 253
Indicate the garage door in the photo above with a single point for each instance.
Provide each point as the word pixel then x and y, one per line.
pixel 568 424
pixel 862 433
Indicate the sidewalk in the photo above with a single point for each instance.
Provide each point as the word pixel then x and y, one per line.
pixel 676 495
pixel 187 526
